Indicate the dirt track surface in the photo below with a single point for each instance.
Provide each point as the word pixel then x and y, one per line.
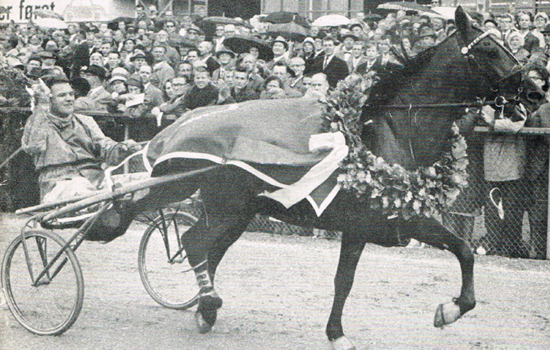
pixel 278 291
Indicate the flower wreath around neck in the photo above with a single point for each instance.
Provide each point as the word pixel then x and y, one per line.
pixel 396 191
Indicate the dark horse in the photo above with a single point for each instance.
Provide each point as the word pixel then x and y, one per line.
pixel 466 66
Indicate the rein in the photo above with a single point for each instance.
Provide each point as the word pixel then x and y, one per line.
pixel 471 58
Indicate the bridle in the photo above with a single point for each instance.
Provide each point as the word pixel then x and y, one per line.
pixel 494 82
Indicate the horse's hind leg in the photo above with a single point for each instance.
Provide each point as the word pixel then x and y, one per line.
pixel 433 233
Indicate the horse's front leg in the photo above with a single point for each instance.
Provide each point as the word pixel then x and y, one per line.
pixel 435 234
pixel 350 252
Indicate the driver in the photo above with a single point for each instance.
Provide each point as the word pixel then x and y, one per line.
pixel 68 149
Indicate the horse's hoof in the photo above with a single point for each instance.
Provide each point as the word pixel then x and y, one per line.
pixel 342 343
pixel 446 314
pixel 210 302
pixel 203 326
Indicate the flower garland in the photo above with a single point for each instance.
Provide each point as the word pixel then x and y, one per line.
pixel 390 187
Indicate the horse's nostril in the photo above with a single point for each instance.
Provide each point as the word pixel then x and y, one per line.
pixel 535 96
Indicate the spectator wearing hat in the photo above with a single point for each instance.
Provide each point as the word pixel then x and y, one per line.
pixel 298 66
pixel 356 28
pixel 279 46
pixel 134 106
pixel 161 69
pixel 95 75
pixel 546 33
pixel 205 55
pixel 334 67
pixel 193 34
pixel 426 39
pixel 138 59
pixel 344 51
pixel 202 93
pixel 308 49
pixel 541 20
pixel 516 45
pixel 530 39
pixel 97 59
pixel 226 62
pixel 117 86
pixel 81 89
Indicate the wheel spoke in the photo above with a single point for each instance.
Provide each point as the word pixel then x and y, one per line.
pixel 51 303
pixel 168 281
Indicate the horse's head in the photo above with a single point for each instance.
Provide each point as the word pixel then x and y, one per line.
pixel 408 112
pixel 489 62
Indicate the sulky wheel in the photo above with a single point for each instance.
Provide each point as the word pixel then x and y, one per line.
pixel 45 295
pixel 163 264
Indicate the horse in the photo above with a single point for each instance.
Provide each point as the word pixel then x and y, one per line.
pixel 408 123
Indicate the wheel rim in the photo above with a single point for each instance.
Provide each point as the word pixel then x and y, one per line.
pixel 169 280
pixel 53 305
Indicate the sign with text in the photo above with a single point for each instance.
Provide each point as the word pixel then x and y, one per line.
pixel 21 11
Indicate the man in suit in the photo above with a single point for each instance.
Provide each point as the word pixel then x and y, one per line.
pixel 161 69
pixel 280 52
pixel 153 95
pixel 373 62
pixel 205 56
pixel 357 58
pixel 297 65
pixel 335 68
pixel 345 51
pixel 172 55
pixel 95 75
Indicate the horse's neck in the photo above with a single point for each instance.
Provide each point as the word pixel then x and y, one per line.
pixel 417 136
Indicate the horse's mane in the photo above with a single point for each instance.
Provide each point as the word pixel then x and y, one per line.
pixel 391 81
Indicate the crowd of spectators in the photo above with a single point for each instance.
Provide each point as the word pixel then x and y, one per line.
pixel 130 67
pixel 156 66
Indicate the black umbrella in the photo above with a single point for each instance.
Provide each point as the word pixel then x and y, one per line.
pixel 286 17
pixel 242 44
pixel 179 41
pixel 113 24
pixel 226 20
pixel 289 31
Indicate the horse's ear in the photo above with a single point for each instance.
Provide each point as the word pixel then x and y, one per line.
pixel 461 20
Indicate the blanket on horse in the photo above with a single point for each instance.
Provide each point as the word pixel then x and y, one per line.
pixel 276 140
